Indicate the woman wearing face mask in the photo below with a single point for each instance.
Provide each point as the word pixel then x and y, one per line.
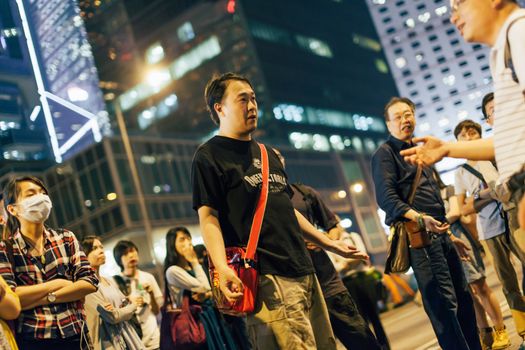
pixel 46 268
pixel 186 277
pixel 107 310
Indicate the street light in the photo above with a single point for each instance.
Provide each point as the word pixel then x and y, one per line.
pixel 136 182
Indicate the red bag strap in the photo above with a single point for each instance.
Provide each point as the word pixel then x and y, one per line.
pixel 260 208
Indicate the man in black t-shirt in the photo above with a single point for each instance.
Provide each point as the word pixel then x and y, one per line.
pixel 226 175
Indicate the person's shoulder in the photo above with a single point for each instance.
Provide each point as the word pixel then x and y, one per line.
pixel 62 233
pixel 383 150
pixel 175 270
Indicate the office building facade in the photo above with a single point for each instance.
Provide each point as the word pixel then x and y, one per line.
pixel 432 64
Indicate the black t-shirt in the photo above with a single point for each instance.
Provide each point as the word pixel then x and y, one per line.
pixel 309 203
pixel 226 176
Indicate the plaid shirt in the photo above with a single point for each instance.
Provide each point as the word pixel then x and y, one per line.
pixel 64 259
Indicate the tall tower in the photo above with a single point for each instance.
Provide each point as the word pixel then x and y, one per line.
pixel 432 64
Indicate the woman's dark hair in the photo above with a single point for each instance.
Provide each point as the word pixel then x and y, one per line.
pixel 172 256
pixel 87 244
pixel 215 89
pixel 122 248
pixel 10 195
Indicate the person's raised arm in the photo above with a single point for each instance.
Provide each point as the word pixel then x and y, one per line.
pixel 433 150
pixel 229 283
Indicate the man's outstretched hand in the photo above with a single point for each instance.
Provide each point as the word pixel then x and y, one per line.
pixel 430 152
pixel 347 251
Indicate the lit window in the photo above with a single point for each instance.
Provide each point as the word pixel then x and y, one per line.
pixel 424 17
pixel 195 57
pixel 185 32
pixel 378 2
pixel 400 62
pixel 462 115
pixel 314 45
pixel 381 66
pixel 443 122
pixel 155 53
pixel 440 11
pixel 449 80
pixel 424 127
pixel 365 42
pixel 410 23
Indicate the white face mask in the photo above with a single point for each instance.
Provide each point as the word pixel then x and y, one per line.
pixel 36 208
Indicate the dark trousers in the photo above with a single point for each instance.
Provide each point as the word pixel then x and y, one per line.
pixel 50 344
pixel 362 288
pixel 446 298
pixel 348 325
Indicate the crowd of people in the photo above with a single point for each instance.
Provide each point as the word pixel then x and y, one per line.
pixel 315 280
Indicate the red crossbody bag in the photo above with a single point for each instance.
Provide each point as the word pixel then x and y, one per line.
pixel 243 261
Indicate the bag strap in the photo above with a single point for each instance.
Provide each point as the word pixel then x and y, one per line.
pixel 415 184
pixel 474 172
pixel 507 54
pixel 260 208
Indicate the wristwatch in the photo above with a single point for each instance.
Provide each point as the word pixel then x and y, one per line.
pixel 51 297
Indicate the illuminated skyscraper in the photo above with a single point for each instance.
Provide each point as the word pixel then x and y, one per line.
pixel 432 64
pixel 65 75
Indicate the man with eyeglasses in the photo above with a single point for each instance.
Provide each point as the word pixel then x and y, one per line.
pixel 499 24
pixel 437 266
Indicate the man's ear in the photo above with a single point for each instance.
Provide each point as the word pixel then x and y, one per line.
pixel 218 109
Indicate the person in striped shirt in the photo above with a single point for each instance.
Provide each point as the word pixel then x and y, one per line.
pixel 499 24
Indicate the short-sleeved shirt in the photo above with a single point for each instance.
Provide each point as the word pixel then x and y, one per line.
pixel 309 203
pixel 148 320
pixel 226 176
pixel 490 220
pixel 63 259
pixel 509 98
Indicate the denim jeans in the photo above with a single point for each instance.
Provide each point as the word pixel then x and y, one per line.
pixel 446 298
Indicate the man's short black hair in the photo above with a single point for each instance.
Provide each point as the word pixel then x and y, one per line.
pixel 122 248
pixel 467 124
pixel 486 99
pixel 215 89
pixel 395 100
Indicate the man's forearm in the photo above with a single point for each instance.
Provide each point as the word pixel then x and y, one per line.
pixel 482 149
pixel 411 215
pixel 212 237
pixel 310 233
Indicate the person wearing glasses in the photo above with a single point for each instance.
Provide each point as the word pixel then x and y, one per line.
pixel 499 24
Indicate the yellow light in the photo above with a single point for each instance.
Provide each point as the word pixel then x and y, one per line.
pixel 357 188
pixel 158 78
pixel 111 196
pixel 341 194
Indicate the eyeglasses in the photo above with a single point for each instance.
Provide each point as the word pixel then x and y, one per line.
pixel 455 5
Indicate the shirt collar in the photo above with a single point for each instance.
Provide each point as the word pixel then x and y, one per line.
pixel 19 239
pixel 398 144
pixel 502 36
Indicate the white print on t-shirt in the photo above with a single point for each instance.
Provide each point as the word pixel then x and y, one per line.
pixel 277 183
pixel 257 163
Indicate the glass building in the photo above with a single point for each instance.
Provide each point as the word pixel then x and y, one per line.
pixel 21 138
pixel 319 86
pixel 432 65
